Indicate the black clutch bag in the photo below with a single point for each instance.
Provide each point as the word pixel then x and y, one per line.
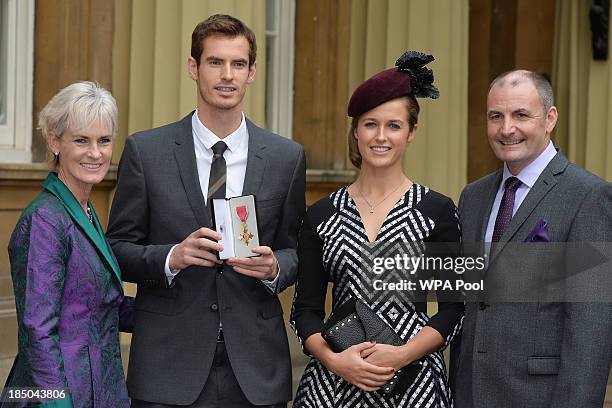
pixel 353 323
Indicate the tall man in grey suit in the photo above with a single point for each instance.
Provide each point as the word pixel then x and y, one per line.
pixel 208 333
pixel 531 354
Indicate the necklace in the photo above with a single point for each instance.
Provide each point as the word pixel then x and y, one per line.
pixel 89 214
pixel 372 207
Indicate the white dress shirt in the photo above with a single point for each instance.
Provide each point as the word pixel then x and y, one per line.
pixel 235 160
pixel 528 177
pixel 235 155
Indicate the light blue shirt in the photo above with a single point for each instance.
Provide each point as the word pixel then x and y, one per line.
pixel 528 177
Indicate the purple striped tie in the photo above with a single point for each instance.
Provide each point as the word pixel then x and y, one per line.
pixel 504 215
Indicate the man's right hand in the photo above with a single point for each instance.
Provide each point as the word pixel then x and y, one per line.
pixel 197 249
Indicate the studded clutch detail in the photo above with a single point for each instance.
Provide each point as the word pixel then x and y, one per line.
pixel 353 323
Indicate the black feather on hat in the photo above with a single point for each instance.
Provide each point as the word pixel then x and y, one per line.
pixel 413 63
pixel 410 77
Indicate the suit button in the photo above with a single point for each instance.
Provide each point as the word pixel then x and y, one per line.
pixel 214 307
pixel 220 270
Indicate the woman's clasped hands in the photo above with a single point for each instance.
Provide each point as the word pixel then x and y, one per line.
pixel 367 365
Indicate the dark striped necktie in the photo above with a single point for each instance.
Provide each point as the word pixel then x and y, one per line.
pixel 504 214
pixel 216 189
pixel 218 174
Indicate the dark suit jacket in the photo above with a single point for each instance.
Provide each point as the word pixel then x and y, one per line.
pixel 536 354
pixel 158 203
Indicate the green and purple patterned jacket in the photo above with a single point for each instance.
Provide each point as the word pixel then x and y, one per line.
pixel 70 303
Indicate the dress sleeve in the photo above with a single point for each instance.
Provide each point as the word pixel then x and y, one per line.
pixel 445 242
pixel 45 271
pixel 308 310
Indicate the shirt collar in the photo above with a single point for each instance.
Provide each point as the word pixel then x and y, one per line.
pixel 233 141
pixel 530 174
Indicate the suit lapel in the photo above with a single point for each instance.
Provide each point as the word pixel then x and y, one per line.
pixel 104 247
pixel 545 182
pixel 93 232
pixel 184 154
pixel 487 203
pixel 256 163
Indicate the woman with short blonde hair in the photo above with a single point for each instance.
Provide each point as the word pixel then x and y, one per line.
pixel 68 289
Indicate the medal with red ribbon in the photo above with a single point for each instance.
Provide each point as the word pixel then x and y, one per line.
pixel 243 214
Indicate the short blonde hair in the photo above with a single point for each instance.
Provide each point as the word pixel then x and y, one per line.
pixel 76 107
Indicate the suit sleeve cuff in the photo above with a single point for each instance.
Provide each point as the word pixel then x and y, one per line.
pixel 170 273
pixel 272 284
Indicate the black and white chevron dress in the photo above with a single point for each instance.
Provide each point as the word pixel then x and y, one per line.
pixel 334 247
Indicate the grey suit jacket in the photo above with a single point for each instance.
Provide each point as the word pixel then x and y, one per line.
pixel 536 354
pixel 158 203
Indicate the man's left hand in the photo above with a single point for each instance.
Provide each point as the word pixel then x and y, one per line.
pixel 263 267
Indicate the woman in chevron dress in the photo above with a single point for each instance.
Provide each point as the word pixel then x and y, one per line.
pixel 381 215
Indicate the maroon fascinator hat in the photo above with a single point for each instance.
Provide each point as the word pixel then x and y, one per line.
pixel 409 77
